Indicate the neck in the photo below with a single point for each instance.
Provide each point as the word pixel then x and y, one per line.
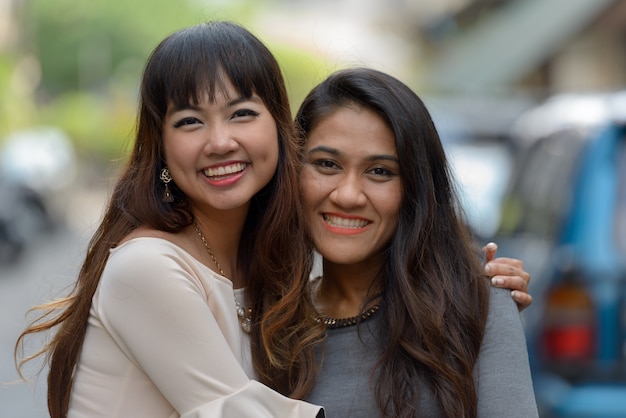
pixel 223 235
pixel 344 289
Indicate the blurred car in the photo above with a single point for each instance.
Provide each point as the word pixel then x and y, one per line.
pixel 474 131
pixel 41 158
pixel 564 214
pixel 23 215
pixel 36 165
pixel 482 170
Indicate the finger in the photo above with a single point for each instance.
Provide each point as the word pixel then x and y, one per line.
pixel 494 268
pixel 508 260
pixel 490 251
pixel 523 300
pixel 512 272
pixel 499 269
pixel 510 282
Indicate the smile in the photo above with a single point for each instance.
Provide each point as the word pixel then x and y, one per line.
pixel 340 222
pixel 224 171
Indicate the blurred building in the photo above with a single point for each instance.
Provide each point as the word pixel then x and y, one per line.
pixel 542 46
pixel 8 29
pixel 451 46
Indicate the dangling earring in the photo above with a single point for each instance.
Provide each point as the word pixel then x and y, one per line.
pixel 166 177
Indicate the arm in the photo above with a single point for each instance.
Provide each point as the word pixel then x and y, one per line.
pixel 176 322
pixel 502 372
pixel 508 273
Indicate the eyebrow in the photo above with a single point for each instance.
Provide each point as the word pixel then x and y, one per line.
pixel 253 98
pixel 233 102
pixel 334 151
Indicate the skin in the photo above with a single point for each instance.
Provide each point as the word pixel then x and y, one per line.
pixel 352 195
pixel 352 192
pixel 508 273
pixel 240 136
pixel 220 154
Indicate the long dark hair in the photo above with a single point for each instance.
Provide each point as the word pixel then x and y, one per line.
pixel 273 256
pixel 434 295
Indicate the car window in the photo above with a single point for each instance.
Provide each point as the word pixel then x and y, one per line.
pixel 541 190
pixel 620 210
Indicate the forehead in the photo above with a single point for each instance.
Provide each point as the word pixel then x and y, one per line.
pixel 223 95
pixel 207 88
pixel 353 129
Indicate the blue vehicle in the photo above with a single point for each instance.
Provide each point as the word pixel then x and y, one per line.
pixel 565 216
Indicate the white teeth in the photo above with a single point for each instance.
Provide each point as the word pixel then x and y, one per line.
pixel 345 223
pixel 223 171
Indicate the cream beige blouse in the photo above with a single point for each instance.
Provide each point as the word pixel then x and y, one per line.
pixel 164 341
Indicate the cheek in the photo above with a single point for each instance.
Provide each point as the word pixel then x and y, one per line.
pixel 273 154
pixel 179 148
pixel 308 188
pixel 315 190
pixel 167 147
pixel 271 148
pixel 264 149
pixel 390 206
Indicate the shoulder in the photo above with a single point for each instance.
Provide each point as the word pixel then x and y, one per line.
pixel 147 274
pixel 154 265
pixel 502 371
pixel 147 252
pixel 146 244
pixel 500 299
pixel 504 316
pixel 501 302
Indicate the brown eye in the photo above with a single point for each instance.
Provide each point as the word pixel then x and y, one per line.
pixel 186 121
pixel 380 171
pixel 244 112
pixel 326 164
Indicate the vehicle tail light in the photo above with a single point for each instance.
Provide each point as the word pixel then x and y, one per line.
pixel 569 331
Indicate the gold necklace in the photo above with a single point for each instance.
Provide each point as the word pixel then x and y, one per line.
pixel 244 315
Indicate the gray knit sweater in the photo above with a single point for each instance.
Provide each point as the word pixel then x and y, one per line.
pixel 502 372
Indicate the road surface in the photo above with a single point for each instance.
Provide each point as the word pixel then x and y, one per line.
pixel 45 270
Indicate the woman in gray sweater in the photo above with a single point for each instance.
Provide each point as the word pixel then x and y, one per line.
pixel 412 326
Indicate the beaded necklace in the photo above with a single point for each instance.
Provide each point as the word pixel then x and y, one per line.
pixel 332 323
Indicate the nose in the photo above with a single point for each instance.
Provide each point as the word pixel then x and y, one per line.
pixel 219 140
pixel 349 192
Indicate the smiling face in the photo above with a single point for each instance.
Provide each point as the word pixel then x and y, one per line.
pixel 221 153
pixel 351 186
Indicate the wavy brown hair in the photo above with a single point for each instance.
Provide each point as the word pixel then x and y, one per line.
pixel 274 255
pixel 434 296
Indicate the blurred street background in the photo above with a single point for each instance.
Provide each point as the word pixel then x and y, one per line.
pixel 529 97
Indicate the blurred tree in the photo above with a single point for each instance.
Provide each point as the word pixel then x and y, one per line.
pixel 17 107
pixel 86 45
pixel 89 58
